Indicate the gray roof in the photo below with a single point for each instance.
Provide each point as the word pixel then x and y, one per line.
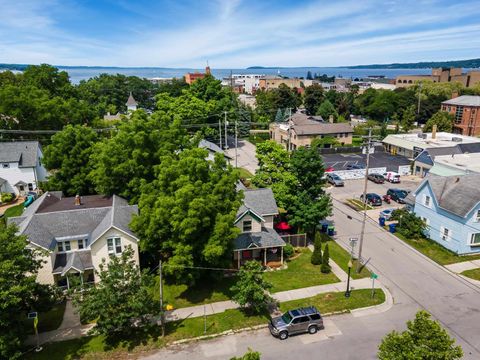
pixel 43 228
pixel 131 101
pixel 322 128
pixel 261 201
pixel 263 239
pixel 23 152
pixel 79 260
pixel 212 148
pixel 456 194
pixel 464 100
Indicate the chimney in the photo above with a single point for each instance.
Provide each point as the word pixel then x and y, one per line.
pixel 434 131
pixel 454 94
pixel 78 200
pixel 330 119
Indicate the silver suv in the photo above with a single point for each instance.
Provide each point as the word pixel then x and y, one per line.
pixel 296 321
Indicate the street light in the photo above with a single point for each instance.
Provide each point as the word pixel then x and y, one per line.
pixel 347 293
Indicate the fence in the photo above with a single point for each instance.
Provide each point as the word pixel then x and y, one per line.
pixel 296 240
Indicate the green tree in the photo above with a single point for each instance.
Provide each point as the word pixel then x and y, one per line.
pixel 313 98
pixel 325 142
pixel 326 109
pixel 122 296
pixel 279 116
pixel 68 160
pixel 423 339
pixel 251 290
pixel 249 355
pixel 20 293
pixel 47 77
pixel 383 130
pixel 409 225
pixel 187 213
pixel 124 162
pixel 316 258
pixel 442 119
pixel 325 268
pixel 408 118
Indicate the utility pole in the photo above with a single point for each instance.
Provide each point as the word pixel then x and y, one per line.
pixel 162 314
pixel 236 144
pixel 362 233
pixel 289 128
pixel 226 138
pixel 220 131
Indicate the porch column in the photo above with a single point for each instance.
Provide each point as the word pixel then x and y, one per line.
pixel 239 258
pixel 281 255
pixel 265 257
pixel 68 283
pixel 81 278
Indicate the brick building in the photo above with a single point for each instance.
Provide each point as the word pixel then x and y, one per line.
pixel 441 75
pixel 466 110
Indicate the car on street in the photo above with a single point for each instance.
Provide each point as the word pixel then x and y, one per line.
pixel 355 167
pixel 386 213
pixel 398 195
pixel 297 321
pixel 372 199
pixel 376 178
pixel 335 180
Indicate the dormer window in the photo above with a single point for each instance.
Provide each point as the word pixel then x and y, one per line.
pixel 5 165
pixel 477 216
pixel 82 244
pixel 64 246
pixel 247 225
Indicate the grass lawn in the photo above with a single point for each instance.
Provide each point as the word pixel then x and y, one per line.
pixel 258 138
pixel 358 204
pixel 204 292
pixel 474 274
pixel 48 321
pixel 357 141
pixel 16 210
pixel 96 347
pixel 435 251
pixel 300 273
pixel 341 257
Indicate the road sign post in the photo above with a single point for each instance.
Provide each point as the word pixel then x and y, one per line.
pixel 353 242
pixel 373 276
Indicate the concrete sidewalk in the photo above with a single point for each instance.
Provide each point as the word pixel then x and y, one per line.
pixel 337 270
pixel 463 266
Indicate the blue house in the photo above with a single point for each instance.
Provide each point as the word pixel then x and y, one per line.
pixel 450 206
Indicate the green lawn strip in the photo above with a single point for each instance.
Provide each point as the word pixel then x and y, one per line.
pixel 300 273
pixel 435 251
pixel 473 274
pixel 16 210
pixel 341 258
pixel 358 204
pixel 49 320
pixel 95 347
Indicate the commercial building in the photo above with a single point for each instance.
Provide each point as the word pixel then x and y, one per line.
pixel 456 164
pixel 191 77
pixel 273 82
pixel 411 145
pixel 249 83
pixel 441 75
pixel 466 110
pixel 301 129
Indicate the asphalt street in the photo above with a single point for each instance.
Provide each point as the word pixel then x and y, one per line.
pixel 414 281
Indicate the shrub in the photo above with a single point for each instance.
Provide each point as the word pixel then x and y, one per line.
pixel 325 268
pixel 6 197
pixel 288 250
pixel 316 258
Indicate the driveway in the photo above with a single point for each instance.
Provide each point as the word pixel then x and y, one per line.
pixel 245 155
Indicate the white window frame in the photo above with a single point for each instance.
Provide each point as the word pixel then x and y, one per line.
pixel 472 236
pixel 5 165
pixel 60 246
pixel 445 236
pixel 114 245
pixel 427 201
pixel 83 243
pixel 67 245
pixel 477 216
pixel 251 225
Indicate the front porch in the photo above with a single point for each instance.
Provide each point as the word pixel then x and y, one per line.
pixel 269 257
pixel 74 278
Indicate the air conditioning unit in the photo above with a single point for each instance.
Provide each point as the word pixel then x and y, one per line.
pixel 457 139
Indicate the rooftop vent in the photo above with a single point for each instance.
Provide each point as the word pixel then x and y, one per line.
pixel 457 139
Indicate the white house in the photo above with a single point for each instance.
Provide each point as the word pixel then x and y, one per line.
pixel 21 167
pixel 76 233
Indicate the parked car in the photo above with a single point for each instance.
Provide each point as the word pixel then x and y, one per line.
pixel 335 180
pixel 376 178
pixel 398 195
pixel 329 169
pixel 386 213
pixel 373 199
pixel 296 321
pixel 392 177
pixel 355 166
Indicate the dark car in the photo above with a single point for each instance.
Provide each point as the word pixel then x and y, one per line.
pixel 373 199
pixel 296 321
pixel 398 195
pixel 355 166
pixel 376 178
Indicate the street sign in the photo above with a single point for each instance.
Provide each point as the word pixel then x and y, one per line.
pixel 373 276
pixel 32 315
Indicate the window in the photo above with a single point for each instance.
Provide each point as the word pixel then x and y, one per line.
pixel 477 216
pixel 247 225
pixel 67 246
pixel 315 317
pixel 427 201
pixel 82 244
pixel 445 233
pixel 114 245
pixel 30 186
pixel 60 247
pixel 5 165
pixel 475 240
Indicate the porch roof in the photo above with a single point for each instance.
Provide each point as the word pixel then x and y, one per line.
pixel 78 260
pixel 256 240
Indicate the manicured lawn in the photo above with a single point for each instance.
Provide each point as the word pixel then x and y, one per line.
pixel 341 257
pixel 246 177
pixel 435 251
pixel 474 274
pixel 96 347
pixel 16 210
pixel 258 138
pixel 358 204
pixel 300 273
pixel 206 291
pixel 48 321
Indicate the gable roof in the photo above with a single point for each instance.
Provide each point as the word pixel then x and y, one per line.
pixel 78 260
pixel 263 239
pixel 47 219
pixel 261 201
pixel 131 101
pixel 427 156
pixel 252 213
pixel 455 194
pixel 23 152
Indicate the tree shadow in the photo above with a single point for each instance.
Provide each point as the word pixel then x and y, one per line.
pixel 204 289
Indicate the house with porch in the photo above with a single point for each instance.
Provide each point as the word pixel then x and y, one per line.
pixel 76 233
pixel 21 167
pixel 258 240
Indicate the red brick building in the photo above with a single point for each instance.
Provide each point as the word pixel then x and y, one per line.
pixel 191 77
pixel 466 110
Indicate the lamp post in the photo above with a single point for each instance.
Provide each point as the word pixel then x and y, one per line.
pixel 347 293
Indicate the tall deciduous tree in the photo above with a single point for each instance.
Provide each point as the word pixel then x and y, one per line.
pixel 187 213
pixel 423 339
pixel 313 98
pixel 250 290
pixel 408 118
pixel 20 293
pixel 68 159
pixel 122 298
pixel 442 119
pixel 326 109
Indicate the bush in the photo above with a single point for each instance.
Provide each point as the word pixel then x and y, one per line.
pixel 6 197
pixel 316 258
pixel 409 225
pixel 325 268
pixel 288 251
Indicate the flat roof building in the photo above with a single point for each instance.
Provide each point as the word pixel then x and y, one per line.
pixel 456 164
pixel 442 75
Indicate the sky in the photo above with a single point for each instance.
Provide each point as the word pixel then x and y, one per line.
pixel 237 33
